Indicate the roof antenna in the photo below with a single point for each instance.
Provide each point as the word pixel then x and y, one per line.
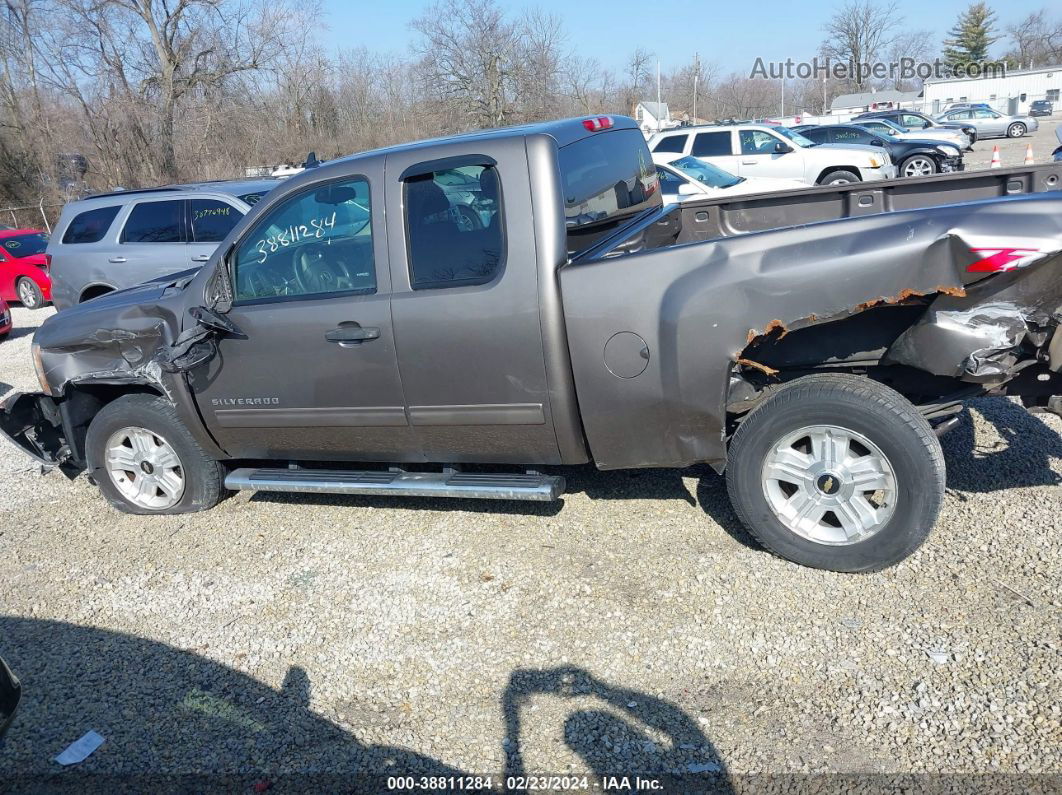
pixel 311 161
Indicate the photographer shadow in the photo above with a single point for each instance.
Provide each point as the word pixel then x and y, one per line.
pixel 175 721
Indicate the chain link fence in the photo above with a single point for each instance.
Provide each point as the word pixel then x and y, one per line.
pixel 33 216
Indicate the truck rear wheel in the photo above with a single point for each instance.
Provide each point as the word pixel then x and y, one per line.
pixel 146 462
pixel 837 472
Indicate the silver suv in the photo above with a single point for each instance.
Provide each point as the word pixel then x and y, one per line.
pixel 116 240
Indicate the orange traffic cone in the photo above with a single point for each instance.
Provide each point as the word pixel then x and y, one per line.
pixel 995 157
pixel 1028 155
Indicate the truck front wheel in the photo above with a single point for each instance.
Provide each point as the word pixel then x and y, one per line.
pixel 839 177
pixel 146 462
pixel 836 472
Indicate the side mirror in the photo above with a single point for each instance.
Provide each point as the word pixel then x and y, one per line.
pixel 781 148
pixel 212 320
pixel 876 142
pixel 687 189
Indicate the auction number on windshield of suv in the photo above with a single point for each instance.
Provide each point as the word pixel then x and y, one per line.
pixel 296 233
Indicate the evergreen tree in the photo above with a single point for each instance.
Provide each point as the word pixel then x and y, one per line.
pixel 969 40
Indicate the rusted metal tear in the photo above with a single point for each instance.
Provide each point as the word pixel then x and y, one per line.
pixel 756 365
pixel 902 297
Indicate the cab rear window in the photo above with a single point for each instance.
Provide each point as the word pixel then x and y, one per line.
pixel 91 225
pixel 607 179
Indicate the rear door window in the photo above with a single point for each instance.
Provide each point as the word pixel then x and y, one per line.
pixel 211 219
pixel 712 144
pixel 672 143
pixel 155 222
pixel 91 225
pixel 454 224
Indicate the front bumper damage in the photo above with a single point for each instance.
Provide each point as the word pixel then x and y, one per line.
pixel 34 423
pixel 50 428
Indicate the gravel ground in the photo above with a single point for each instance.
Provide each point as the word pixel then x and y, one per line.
pixel 1012 150
pixel 634 628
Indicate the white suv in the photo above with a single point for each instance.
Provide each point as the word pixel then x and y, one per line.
pixel 762 150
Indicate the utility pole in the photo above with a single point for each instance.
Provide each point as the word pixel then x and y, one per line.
pixel 658 85
pixel 782 111
pixel 696 77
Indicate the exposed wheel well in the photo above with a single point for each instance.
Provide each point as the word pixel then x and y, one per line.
pixel 855 344
pixel 85 400
pixel 833 169
pixel 94 292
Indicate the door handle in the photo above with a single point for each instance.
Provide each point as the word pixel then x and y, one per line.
pixel 748 162
pixel 117 259
pixel 353 334
pixel 200 258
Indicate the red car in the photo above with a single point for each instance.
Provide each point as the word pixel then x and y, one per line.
pixel 24 267
pixel 5 319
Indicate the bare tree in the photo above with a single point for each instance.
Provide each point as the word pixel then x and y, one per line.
pixel 468 53
pixel 1037 41
pixel 859 33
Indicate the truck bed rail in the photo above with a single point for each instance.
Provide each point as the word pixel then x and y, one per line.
pixel 713 218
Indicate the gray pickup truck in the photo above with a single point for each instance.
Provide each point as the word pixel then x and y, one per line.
pixel 461 314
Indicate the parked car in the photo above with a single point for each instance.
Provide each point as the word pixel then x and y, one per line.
pixel 991 123
pixel 761 150
pixel 812 343
pixel 115 240
pixel 913 158
pixel 684 177
pixel 938 135
pixel 5 319
pixel 1041 107
pixel 24 267
pixel 920 123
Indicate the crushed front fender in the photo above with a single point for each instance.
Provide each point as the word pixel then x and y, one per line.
pixel 34 424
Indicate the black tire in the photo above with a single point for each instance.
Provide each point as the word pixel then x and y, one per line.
pixel 882 416
pixel 921 161
pixel 841 177
pixel 203 476
pixel 1016 130
pixel 29 293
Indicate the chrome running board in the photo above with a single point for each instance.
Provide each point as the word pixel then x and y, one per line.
pixel 476 485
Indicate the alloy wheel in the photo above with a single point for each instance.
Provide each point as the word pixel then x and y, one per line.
pixel 919 167
pixel 145 468
pixel 829 485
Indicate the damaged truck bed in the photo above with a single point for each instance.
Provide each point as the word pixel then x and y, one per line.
pixel 809 343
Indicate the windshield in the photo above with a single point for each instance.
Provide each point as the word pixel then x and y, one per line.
pixel 25 245
pixel 795 137
pixel 710 175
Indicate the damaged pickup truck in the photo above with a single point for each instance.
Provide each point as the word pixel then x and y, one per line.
pixel 518 299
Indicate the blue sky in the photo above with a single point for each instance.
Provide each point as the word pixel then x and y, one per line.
pixel 728 33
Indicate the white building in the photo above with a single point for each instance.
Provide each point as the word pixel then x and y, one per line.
pixel 846 104
pixel 1011 94
pixel 653 117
